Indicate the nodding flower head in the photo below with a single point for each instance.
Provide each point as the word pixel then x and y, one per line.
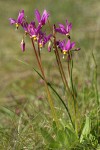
pixel 19 19
pixel 41 19
pixel 33 30
pixel 43 39
pixel 65 47
pixel 64 29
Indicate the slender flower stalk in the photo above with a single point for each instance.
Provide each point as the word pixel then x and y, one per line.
pixel 68 65
pixel 65 84
pixel 59 62
pixel 46 86
pixel 66 48
pixel 74 97
pixel 66 107
pixel 39 53
pixel 95 78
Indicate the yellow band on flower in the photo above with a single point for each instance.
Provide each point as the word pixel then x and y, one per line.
pixel 40 45
pixel 64 52
pixel 17 25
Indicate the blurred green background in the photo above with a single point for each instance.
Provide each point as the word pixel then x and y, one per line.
pixel 17 79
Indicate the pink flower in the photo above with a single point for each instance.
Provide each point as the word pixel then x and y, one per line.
pixel 65 47
pixel 41 19
pixel 64 29
pixel 19 19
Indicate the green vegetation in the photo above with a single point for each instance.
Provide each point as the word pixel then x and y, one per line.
pixel 25 120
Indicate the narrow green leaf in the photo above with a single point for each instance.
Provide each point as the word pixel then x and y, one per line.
pixel 49 139
pixel 71 136
pixel 47 136
pixel 7 111
pixel 86 129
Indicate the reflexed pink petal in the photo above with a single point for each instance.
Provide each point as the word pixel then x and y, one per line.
pixel 37 15
pixel 68 45
pixel 72 45
pixel 61 26
pixel 58 30
pixel 20 17
pixel 70 26
pixel 66 22
pixel 44 17
pixel 12 21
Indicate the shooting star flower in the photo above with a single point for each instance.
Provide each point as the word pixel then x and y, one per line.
pixel 19 19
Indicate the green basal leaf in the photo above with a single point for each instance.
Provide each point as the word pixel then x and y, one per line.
pixel 86 129
pixel 49 139
pixel 71 136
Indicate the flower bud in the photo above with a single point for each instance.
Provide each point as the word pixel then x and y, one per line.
pixel 23 45
pixel 77 49
pixel 49 46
